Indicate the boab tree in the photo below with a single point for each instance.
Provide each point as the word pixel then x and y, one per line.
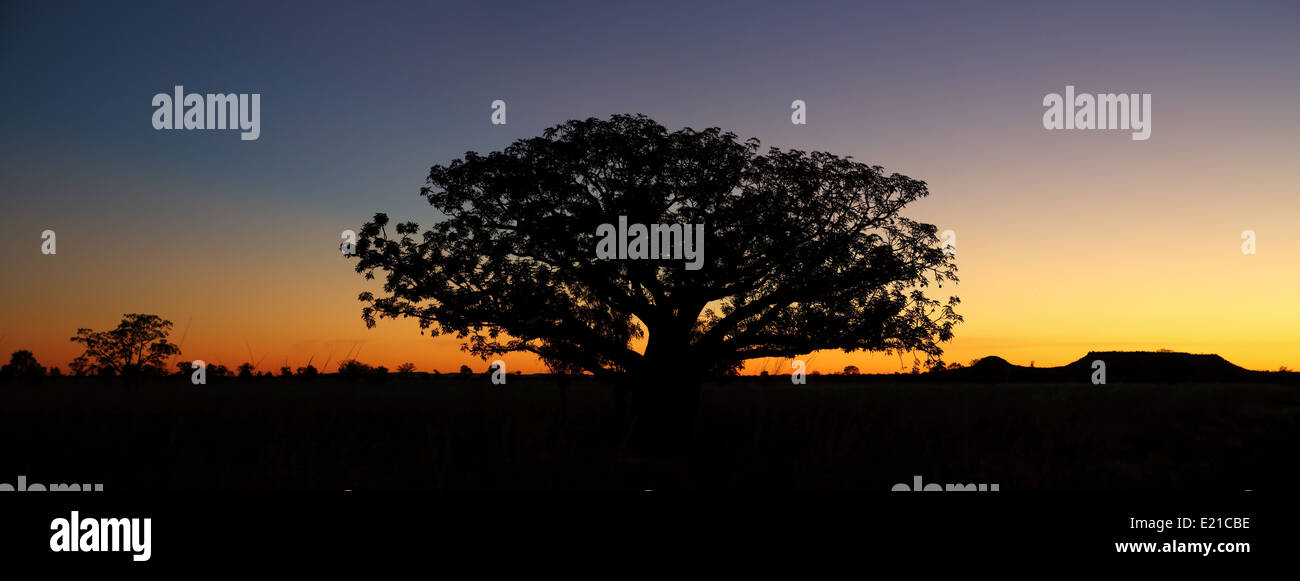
pixel 803 251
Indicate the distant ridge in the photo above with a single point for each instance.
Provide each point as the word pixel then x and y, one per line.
pixel 1148 366
pixel 1121 367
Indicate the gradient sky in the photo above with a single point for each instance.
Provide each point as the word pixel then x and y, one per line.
pixel 1068 241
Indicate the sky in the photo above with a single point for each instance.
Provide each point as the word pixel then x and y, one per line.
pixel 1067 241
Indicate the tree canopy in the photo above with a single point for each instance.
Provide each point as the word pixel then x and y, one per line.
pixel 805 251
pixel 22 365
pixel 137 346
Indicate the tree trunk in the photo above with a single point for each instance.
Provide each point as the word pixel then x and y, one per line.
pixel 662 410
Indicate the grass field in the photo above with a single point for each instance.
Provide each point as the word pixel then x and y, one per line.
pixel 455 433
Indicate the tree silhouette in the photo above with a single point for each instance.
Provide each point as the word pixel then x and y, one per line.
pixel 805 251
pixel 354 367
pixel 22 365
pixel 137 346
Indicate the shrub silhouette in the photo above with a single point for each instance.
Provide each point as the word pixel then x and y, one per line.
pixel 354 368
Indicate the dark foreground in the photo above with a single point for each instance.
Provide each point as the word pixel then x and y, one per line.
pixel 424 433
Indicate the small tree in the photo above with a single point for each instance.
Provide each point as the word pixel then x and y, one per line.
pixel 245 369
pixel 22 365
pixel 851 370
pixel 465 370
pixel 137 346
pixel 407 367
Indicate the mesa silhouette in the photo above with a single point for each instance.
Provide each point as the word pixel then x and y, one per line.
pixel 1121 367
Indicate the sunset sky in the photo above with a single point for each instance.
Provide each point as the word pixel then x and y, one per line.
pixel 1067 241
